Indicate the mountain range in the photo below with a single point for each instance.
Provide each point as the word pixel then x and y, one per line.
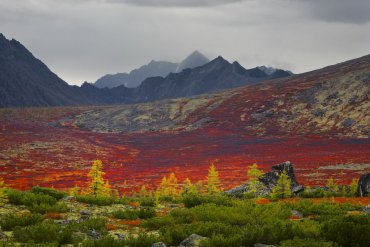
pixel 26 82
pixel 152 69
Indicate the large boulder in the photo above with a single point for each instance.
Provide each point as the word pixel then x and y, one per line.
pixel 194 240
pixel 363 188
pixel 270 179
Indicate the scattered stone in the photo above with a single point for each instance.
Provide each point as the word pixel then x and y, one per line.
pixel 120 236
pixel 367 209
pixel 70 199
pixel 85 214
pixel 194 240
pixel 297 214
pixel 363 188
pixel 348 123
pixel 159 244
pixel 2 235
pixel 263 245
pixel 93 234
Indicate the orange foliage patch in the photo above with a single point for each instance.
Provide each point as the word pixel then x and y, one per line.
pixel 54 216
pixel 260 201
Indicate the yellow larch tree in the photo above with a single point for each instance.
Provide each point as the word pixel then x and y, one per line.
pixel 97 186
pixel 188 187
pixel 213 181
pixel 254 184
pixel 283 187
pixel 3 195
pixel 332 185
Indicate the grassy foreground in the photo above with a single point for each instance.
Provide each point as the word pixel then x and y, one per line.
pixel 46 217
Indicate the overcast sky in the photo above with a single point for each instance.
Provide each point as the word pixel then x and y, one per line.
pixel 81 40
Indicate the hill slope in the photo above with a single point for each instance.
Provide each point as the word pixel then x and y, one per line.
pixel 330 101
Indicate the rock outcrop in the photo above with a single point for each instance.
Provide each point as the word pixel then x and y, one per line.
pixel 194 240
pixel 270 179
pixel 363 188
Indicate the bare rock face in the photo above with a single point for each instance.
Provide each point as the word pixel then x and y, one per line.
pixel 270 179
pixel 363 188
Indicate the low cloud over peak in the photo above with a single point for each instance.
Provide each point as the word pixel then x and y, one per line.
pixel 177 3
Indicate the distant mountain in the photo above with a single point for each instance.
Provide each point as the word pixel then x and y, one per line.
pixel 25 81
pixel 152 69
pixel 214 76
pixel 136 76
pixel 194 60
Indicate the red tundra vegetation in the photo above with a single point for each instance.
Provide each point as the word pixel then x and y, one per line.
pixel 267 124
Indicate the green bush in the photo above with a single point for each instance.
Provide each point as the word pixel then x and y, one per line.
pixel 10 221
pixel 100 201
pixel 59 207
pixel 45 232
pixel 144 213
pixel 142 240
pixel 324 208
pixel 347 230
pixel 192 200
pixel 48 191
pixel 297 242
pixel 27 198
pixel 147 202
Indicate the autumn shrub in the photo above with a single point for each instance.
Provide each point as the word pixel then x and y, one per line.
pixel 347 230
pixel 10 221
pixel 45 232
pixel 143 213
pixel 49 191
pixel 141 240
pixel 59 207
pixel 307 242
pixel 192 200
pixel 308 207
pixel 99 201
pixel 98 224
pixel 28 198
pixel 147 201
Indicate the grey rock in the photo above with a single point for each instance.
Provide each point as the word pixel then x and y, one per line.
pixel 297 214
pixel 120 236
pixel 363 188
pixel 85 214
pixel 159 244
pixel 367 209
pixel 194 240
pixel 93 234
pixel 69 199
pixel 270 179
pixel 348 123
pixel 263 245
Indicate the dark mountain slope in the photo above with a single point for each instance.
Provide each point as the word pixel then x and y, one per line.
pixel 26 81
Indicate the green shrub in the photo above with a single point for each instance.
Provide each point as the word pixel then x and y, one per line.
pixel 147 202
pixel 27 198
pixel 59 207
pixel 192 200
pixel 143 213
pixel 142 240
pixel 97 224
pixel 10 221
pixel 100 201
pixel 297 242
pixel 347 230
pixel 49 191
pixel 45 232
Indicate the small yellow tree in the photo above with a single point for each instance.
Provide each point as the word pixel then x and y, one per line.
pixel 3 195
pixel 74 191
pixel 332 185
pixel 353 187
pixel 254 184
pixel 163 186
pixel 188 187
pixel 213 182
pixel 172 186
pixel 97 186
pixel 283 187
pixel 143 192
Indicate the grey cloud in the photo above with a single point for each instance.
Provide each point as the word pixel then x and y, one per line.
pixel 176 3
pixel 344 11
